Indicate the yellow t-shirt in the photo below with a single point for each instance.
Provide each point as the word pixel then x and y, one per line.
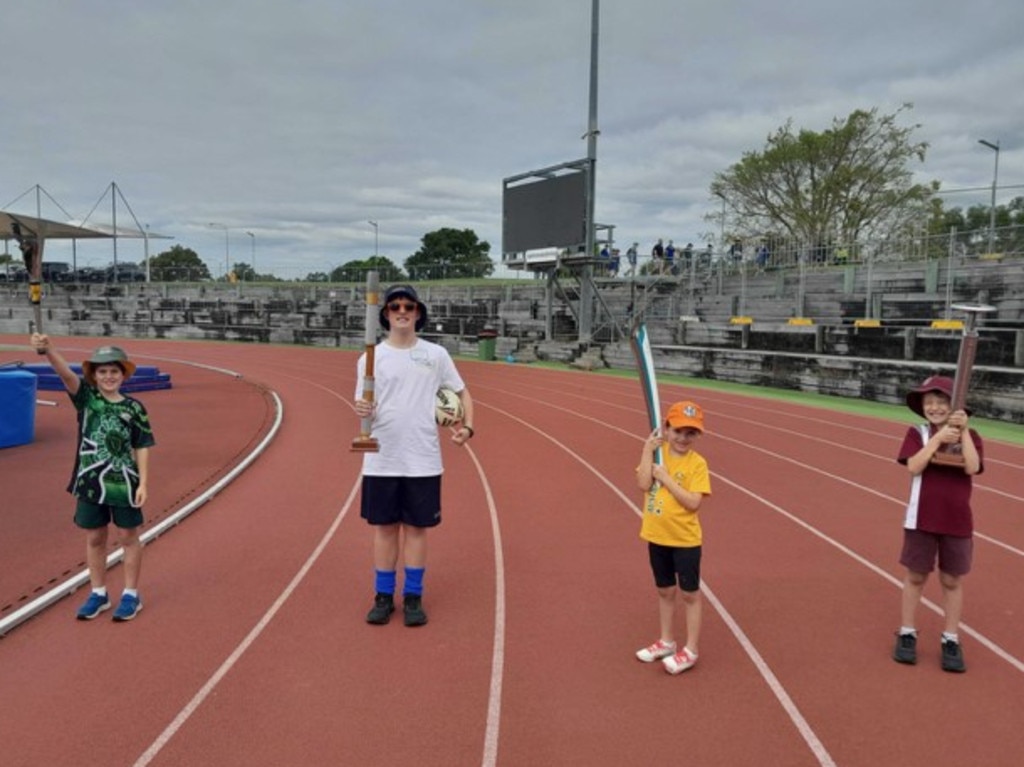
pixel 666 521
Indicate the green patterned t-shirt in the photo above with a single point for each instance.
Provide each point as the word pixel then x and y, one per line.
pixel 108 434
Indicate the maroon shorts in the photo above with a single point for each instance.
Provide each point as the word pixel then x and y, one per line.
pixel 921 550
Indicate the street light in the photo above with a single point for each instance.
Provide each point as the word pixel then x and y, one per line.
pixel 227 248
pixel 376 238
pixel 253 236
pixel 995 181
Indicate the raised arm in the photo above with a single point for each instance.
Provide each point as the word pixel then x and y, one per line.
pixel 41 343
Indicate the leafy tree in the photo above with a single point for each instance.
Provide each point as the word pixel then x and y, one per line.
pixel 355 271
pixel 179 264
pixel 450 253
pixel 972 226
pixel 846 182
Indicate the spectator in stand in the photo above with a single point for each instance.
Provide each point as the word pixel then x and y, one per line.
pixel 688 257
pixel 613 265
pixel 631 254
pixel 657 257
pixel 736 254
pixel 762 257
pixel 670 258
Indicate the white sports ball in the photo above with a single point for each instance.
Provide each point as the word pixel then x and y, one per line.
pixel 447 407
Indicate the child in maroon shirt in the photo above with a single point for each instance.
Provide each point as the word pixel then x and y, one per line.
pixel 939 524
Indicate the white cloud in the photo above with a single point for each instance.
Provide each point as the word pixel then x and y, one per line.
pixel 302 121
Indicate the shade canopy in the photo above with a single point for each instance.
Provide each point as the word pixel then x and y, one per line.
pixel 46 229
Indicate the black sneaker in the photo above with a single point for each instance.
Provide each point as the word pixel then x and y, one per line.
pixel 383 606
pixel 952 657
pixel 412 606
pixel 906 649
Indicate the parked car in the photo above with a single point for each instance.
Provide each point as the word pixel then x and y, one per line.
pixel 90 274
pixel 56 271
pixel 13 272
pixel 126 272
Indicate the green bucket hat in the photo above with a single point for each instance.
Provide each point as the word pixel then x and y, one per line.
pixel 107 355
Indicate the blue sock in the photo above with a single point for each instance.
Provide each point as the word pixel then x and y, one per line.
pixel 413 581
pixel 384 580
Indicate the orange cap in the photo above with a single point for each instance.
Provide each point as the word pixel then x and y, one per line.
pixel 686 415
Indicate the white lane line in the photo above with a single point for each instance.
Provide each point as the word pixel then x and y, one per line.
pixel 150 753
pixel 490 755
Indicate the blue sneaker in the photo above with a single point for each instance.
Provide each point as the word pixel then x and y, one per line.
pixel 128 608
pixel 93 606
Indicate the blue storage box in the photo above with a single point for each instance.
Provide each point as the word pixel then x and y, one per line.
pixel 17 407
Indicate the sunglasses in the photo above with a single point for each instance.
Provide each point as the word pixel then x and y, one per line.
pixel 408 306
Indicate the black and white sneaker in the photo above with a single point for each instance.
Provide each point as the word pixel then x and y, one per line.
pixel 952 657
pixel 906 649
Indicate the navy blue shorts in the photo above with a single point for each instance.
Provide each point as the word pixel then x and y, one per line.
pixel 675 563
pixel 413 501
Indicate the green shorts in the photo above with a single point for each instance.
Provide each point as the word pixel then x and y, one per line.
pixel 90 516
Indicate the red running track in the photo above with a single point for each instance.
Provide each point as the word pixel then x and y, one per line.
pixel 252 648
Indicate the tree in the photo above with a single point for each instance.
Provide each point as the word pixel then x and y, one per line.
pixel 450 253
pixel 972 226
pixel 355 271
pixel 849 181
pixel 178 264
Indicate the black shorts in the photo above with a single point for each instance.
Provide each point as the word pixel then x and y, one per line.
pixel 413 501
pixel 672 563
pixel 92 516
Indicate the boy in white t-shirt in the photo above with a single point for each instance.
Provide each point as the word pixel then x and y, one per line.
pixel 401 491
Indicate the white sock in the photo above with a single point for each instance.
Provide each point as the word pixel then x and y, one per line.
pixel 131 592
pixel 102 591
pixel 905 630
pixel 947 637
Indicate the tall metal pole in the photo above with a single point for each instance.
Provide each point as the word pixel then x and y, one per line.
pixel 995 182
pixel 113 220
pixel 253 241
pixel 586 293
pixel 376 238
pixel 227 248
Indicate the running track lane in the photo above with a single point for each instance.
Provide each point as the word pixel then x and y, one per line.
pixel 794 665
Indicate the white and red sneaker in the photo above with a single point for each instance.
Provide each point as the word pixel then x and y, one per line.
pixel 657 651
pixel 680 661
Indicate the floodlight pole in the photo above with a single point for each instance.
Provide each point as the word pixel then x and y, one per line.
pixel 376 239
pixel 227 248
pixel 587 291
pixel 995 180
pixel 252 238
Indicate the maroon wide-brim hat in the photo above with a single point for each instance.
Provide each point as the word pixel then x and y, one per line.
pixel 939 384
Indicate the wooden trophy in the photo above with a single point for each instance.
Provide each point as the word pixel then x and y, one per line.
pixel 364 443
pixel 951 455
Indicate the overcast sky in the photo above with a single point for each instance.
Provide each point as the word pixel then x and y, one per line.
pixel 301 121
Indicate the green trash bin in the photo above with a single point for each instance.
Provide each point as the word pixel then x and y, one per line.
pixel 487 341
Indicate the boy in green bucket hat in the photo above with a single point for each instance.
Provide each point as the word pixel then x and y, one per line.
pixel 111 475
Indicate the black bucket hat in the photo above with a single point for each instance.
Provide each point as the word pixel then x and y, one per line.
pixel 396 291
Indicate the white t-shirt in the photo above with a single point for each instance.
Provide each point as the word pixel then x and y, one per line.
pixel 405 387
